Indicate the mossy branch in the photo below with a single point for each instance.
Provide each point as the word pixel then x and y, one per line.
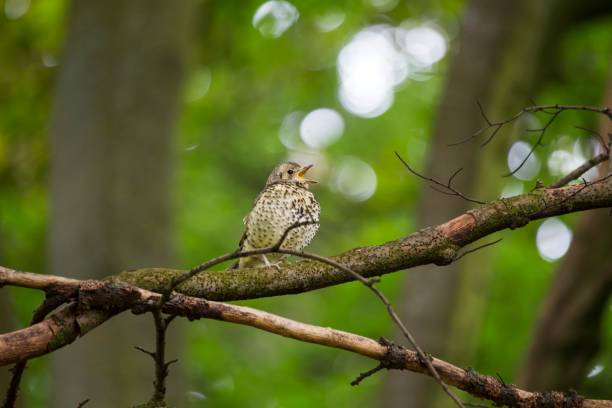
pixel 438 245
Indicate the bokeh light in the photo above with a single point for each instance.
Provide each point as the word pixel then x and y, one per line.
pixel 553 239
pixel 561 162
pixel 198 85
pixel 275 17
pixel 380 58
pixel 424 45
pixel 354 179
pixel 384 5
pixel 321 127
pixel 512 189
pixel 330 21
pixel 517 153
pixel 14 9
pixel 595 371
pixel 289 131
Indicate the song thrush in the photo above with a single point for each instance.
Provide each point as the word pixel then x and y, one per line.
pixel 284 201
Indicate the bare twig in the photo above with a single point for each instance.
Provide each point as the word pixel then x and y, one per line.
pixel 83 403
pixel 580 170
pixel 553 110
pixel 447 188
pixel 161 366
pixel 394 316
pixel 469 251
pixel 366 374
pixel 538 142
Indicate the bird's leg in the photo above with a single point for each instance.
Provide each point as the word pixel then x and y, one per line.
pixel 271 265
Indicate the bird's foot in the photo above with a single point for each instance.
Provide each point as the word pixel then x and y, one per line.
pixel 274 265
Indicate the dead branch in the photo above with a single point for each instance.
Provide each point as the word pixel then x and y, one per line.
pixel 49 304
pixel 580 170
pixel 553 110
pixel 438 186
pixel 98 293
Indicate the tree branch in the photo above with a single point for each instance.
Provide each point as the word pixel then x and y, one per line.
pixel 580 170
pixel 438 245
pixel 96 294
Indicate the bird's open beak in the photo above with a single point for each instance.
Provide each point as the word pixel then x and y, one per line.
pixel 303 172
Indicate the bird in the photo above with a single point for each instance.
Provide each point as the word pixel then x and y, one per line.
pixel 284 202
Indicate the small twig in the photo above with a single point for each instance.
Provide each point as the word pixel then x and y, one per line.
pixel 398 322
pixel 595 133
pixel 580 170
pixel 538 142
pixel 553 110
pixel 83 403
pixel 49 304
pixel 450 190
pixel 159 356
pixel 364 375
pixel 147 352
pixel 469 251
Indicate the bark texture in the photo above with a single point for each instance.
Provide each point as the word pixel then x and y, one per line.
pixel 115 109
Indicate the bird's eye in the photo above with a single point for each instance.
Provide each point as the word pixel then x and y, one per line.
pixel 290 172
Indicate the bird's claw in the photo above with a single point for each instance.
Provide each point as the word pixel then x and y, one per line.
pixel 274 265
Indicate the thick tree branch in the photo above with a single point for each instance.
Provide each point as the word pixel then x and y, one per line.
pixel 438 245
pixel 96 294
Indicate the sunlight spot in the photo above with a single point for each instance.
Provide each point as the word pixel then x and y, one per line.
pixel 14 9
pixel 289 131
pixel 321 127
pixel 553 239
pixel 354 179
pixel 425 45
pixel 562 162
pixel 224 384
pixel 512 189
pixel 195 396
pixel 378 59
pixel 595 371
pixel 191 148
pixel 369 68
pixel 198 85
pixel 275 17
pixel 384 5
pixel 516 155
pixel 48 60
pixel 330 21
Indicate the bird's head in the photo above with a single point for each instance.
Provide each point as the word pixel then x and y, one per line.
pixel 291 172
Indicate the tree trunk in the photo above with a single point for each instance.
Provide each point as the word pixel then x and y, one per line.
pixel 568 331
pixel 112 157
pixel 495 37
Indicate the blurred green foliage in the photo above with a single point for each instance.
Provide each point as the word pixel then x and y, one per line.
pixel 239 89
